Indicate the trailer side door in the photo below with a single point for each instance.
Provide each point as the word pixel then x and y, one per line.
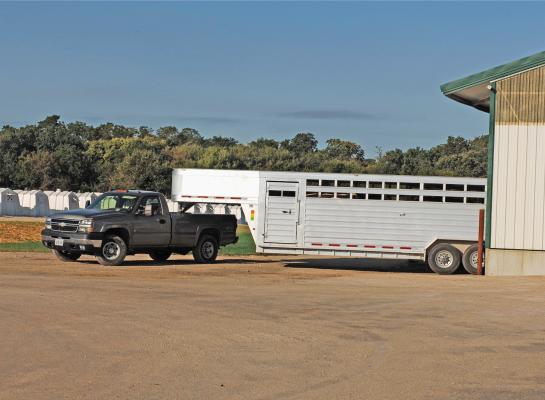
pixel 281 212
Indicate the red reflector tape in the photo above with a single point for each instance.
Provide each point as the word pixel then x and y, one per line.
pixel 316 244
pixel 334 244
pixel 405 247
pixel 202 197
pixel 369 246
pixel 219 197
pixel 351 245
pixel 388 247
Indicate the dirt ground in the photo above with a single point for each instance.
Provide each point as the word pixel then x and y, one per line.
pixel 266 328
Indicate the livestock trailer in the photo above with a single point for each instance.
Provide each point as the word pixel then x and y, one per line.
pixel 429 218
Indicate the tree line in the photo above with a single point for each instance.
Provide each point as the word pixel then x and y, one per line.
pixel 76 156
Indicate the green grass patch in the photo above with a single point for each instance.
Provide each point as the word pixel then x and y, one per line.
pixel 245 245
pixel 23 246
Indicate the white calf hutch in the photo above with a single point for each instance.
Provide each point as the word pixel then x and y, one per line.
pixel 376 216
pixel 62 201
pixel 34 203
pixel 9 202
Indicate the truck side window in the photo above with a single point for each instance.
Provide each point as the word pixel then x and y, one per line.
pixel 156 208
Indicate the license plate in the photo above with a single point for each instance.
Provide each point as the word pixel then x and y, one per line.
pixel 59 242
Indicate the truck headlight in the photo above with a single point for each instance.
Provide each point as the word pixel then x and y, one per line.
pixel 48 223
pixel 86 225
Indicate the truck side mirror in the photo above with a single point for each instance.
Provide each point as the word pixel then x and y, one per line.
pixel 87 203
pixel 148 211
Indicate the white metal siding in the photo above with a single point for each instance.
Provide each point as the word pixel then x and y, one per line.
pixel 519 187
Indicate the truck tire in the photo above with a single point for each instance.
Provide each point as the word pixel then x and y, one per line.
pixel 206 250
pixel 469 259
pixel 444 259
pixel 65 256
pixel 160 256
pixel 112 252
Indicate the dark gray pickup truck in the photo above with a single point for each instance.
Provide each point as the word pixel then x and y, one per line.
pixel 123 223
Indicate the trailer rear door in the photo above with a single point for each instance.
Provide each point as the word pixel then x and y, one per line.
pixel 281 212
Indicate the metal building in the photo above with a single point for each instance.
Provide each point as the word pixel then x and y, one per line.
pixel 514 96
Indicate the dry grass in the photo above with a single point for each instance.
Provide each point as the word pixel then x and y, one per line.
pixel 20 231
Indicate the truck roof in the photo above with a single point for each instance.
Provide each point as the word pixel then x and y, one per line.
pixel 134 192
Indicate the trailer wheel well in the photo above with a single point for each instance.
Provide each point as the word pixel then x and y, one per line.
pixel 459 244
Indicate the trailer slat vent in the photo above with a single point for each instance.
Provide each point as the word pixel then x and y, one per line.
pixel 433 186
pixel 408 197
pixel 409 185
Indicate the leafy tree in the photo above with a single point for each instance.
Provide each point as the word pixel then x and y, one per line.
pixel 344 150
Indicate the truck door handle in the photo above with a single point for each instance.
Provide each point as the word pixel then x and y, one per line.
pixel 286 212
pixel 162 221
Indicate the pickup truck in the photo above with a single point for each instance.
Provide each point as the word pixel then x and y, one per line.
pixel 122 223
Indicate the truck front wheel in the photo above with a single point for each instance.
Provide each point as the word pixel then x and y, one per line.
pixel 206 250
pixel 113 251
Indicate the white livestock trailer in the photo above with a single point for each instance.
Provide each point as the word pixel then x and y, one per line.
pixel 377 216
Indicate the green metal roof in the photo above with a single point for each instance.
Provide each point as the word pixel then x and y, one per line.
pixel 466 90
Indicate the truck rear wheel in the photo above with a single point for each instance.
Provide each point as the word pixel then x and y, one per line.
pixel 470 258
pixel 444 259
pixel 65 256
pixel 206 250
pixel 160 256
pixel 112 252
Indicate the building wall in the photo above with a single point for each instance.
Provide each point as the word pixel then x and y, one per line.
pixel 518 218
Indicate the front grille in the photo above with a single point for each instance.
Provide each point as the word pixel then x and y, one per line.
pixel 64 225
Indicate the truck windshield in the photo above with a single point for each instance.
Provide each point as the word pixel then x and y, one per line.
pixel 114 201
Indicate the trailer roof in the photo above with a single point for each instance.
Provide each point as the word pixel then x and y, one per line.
pixel 473 89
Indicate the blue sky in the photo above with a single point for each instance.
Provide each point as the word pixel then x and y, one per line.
pixel 367 72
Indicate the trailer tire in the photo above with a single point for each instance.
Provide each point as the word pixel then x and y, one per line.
pixel 469 259
pixel 206 250
pixel 65 256
pixel 112 252
pixel 160 256
pixel 444 259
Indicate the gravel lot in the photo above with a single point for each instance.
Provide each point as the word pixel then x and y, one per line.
pixel 266 328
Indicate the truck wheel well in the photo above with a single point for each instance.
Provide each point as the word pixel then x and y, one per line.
pixel 122 233
pixel 212 232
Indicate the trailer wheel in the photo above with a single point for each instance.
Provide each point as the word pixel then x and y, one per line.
pixel 470 259
pixel 112 252
pixel 160 256
pixel 65 256
pixel 444 259
pixel 206 250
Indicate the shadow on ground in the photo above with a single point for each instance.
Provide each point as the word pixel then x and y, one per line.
pixel 359 264
pixel 173 263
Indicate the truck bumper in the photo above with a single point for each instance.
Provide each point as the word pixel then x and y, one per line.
pixel 75 242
